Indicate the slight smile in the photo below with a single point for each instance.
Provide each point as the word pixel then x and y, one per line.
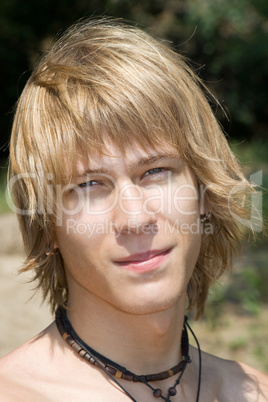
pixel 144 262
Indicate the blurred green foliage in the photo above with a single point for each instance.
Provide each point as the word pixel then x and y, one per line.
pixel 246 290
pixel 226 39
pixel 253 156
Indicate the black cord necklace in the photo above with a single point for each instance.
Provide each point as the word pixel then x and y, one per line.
pixel 115 371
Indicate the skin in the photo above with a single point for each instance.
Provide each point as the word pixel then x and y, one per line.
pixel 127 287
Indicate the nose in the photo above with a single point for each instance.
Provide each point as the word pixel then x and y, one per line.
pixel 131 213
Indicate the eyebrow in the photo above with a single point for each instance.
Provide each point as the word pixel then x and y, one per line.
pixel 147 160
pixel 93 171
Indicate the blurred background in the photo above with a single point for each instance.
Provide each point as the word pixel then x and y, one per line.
pixel 227 42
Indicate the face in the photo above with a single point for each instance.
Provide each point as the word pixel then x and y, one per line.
pixel 129 230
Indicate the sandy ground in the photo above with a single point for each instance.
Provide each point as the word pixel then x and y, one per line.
pixel 20 317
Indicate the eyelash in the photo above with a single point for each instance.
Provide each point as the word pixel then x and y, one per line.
pixel 154 171
pixel 88 183
pixel 149 172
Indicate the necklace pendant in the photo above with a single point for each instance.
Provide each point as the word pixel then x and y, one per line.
pixel 172 391
pixel 157 393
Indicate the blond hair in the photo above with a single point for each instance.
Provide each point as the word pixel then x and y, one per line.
pixel 106 76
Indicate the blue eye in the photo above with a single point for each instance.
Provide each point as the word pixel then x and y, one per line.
pixel 88 184
pixel 154 171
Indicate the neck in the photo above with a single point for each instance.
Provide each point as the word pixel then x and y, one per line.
pixel 143 343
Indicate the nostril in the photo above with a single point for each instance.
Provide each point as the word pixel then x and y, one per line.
pixel 139 228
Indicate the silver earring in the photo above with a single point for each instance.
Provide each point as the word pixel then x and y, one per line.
pixel 205 217
pixel 49 251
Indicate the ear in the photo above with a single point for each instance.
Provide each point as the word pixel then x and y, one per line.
pixel 202 209
pixel 202 205
pixel 54 245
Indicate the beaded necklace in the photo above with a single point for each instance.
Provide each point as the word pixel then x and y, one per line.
pixel 115 371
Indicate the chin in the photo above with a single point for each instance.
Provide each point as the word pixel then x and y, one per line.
pixel 152 305
pixel 157 297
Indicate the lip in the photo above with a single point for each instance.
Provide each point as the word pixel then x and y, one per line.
pixel 144 262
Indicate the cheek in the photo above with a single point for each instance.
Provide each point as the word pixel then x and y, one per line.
pixel 184 222
pixel 79 253
pixel 82 226
pixel 185 201
pixel 83 235
pixel 175 200
pixel 73 238
pixel 80 203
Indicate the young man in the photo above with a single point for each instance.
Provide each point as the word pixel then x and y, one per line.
pixel 128 198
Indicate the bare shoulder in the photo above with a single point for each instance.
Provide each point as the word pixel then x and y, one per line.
pixel 12 391
pixel 46 369
pixel 243 382
pixel 20 369
pixel 233 381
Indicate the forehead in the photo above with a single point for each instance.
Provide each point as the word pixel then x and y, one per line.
pixel 133 156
